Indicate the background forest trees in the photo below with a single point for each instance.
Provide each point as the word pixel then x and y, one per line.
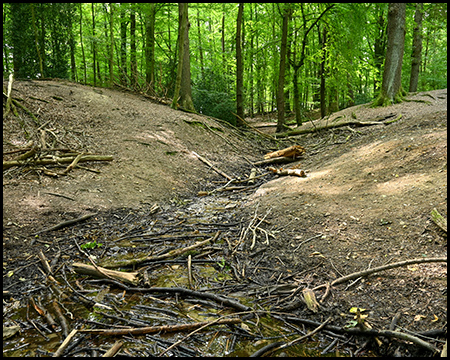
pixel 333 57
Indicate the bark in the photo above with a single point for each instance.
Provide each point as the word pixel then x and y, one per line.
pixel 111 45
pixel 185 90
pixel 280 91
pixel 239 67
pixel 391 87
pixel 150 45
pixel 123 46
pixel 94 48
pixel 416 48
pixel 323 100
pixel 133 60
pixel 82 46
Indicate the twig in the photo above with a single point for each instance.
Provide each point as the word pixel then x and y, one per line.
pixel 65 343
pixel 65 223
pixel 114 349
pixel 295 341
pixel 381 268
pixel 157 329
pixel 212 166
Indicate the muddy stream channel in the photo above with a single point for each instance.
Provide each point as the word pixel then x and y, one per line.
pixel 217 300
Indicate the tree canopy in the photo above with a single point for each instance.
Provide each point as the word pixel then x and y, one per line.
pixel 332 55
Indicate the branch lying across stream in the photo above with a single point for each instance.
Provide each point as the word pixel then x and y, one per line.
pixel 56 160
pixel 381 268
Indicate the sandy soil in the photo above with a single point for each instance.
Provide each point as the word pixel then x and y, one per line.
pixel 366 200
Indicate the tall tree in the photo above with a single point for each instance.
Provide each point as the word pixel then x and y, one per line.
pixel 239 67
pixel 81 44
pixel 133 59
pixel 94 47
pixel 111 45
pixel 150 45
pixel 391 88
pixel 182 94
pixel 416 48
pixel 123 45
pixel 280 92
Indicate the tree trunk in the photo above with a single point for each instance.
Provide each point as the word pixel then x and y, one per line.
pixel 82 46
pixel 416 48
pixel 239 68
pixel 185 90
pixel 391 87
pixel 280 91
pixel 111 45
pixel 200 49
pixel 379 46
pixel 94 50
pixel 33 19
pixel 150 45
pixel 123 47
pixel 133 60
pixel 323 99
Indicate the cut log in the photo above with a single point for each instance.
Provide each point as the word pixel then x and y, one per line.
pixel 290 172
pixel 102 273
pixel 293 152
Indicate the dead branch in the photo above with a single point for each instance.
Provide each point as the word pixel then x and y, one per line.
pixel 255 129
pixel 102 273
pixel 279 160
pixel 380 268
pixel 290 172
pixel 65 343
pixel 157 329
pixel 293 151
pixel 439 220
pixel 65 223
pixel 212 166
pixel 371 332
pixel 172 253
pixel 270 348
pixel 114 349
pixel 56 160
pixel 332 125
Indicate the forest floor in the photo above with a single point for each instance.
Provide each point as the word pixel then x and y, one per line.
pixel 365 202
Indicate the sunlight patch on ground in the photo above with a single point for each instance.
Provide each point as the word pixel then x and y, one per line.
pixel 403 183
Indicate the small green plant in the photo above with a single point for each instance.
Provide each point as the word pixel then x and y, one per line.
pixel 90 245
pixel 222 264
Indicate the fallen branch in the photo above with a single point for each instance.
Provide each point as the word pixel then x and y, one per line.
pixel 293 151
pixel 380 268
pixel 57 160
pixel 270 348
pixel 158 329
pixel 172 253
pixel 102 273
pixel 439 220
pixel 255 129
pixel 212 166
pixel 65 223
pixel 371 332
pixel 290 172
pixel 332 125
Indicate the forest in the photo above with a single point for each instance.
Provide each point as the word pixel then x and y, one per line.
pixel 225 179
pixel 240 59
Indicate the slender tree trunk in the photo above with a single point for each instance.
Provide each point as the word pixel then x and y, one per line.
pixel 280 91
pixel 224 63
pixel 82 46
pixel 323 99
pixel 379 46
pixel 111 45
pixel 416 48
pixel 391 89
pixel 123 47
pixel 133 60
pixel 186 90
pixel 94 51
pixel 239 67
pixel 33 20
pixel 200 49
pixel 150 45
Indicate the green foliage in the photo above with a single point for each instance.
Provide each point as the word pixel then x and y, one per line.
pixel 211 98
pixel 90 245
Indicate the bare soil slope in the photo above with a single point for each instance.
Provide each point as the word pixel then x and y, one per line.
pixel 366 200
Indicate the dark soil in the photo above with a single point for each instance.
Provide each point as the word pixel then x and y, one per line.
pixel 366 201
